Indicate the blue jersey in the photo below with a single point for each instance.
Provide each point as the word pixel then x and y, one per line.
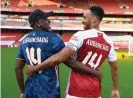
pixel 35 48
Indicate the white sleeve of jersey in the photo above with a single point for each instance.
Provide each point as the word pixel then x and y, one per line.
pixel 112 54
pixel 75 42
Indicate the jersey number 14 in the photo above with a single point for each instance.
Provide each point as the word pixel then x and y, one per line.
pixel 92 59
pixel 31 55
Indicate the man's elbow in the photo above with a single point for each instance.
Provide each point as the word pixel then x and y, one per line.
pixel 56 61
pixel 58 58
pixel 71 63
pixel 115 68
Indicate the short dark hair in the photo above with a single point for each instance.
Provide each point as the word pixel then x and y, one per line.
pixel 97 11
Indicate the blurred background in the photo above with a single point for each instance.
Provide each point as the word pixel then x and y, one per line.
pixel 66 20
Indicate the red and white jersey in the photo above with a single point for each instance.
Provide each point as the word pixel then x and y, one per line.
pixel 92 48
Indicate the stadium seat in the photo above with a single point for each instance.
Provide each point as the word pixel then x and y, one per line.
pixel 128 3
pixel 110 6
pixel 8 38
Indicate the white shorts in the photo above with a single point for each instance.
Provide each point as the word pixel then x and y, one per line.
pixel 69 96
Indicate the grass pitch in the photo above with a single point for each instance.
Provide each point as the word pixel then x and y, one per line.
pixel 9 88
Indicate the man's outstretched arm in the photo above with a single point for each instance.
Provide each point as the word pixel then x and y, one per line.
pixel 19 75
pixel 64 55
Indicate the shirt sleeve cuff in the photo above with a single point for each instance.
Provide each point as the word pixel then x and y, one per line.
pixel 72 46
pixel 20 58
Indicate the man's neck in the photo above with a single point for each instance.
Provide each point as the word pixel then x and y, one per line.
pixel 41 29
pixel 95 27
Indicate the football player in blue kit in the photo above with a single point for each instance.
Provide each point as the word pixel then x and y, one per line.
pixel 39 45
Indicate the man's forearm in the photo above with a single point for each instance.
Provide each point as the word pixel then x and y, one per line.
pixel 20 79
pixel 51 62
pixel 58 58
pixel 114 72
pixel 79 67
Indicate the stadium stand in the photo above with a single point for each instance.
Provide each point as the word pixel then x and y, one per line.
pixel 73 24
pixel 128 4
pixel 110 6
pixel 74 6
pixel 8 37
pixel 30 5
pixel 67 36
pixel 111 23
pixel 67 6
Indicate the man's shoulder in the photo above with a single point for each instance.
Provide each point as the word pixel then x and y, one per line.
pixel 56 36
pixel 86 33
pixel 55 39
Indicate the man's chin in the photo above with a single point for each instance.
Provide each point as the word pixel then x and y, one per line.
pixel 85 28
pixel 49 29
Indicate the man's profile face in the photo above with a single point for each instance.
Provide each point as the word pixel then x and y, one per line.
pixel 87 19
pixel 44 24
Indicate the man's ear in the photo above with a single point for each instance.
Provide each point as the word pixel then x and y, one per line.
pixel 37 24
pixel 94 19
